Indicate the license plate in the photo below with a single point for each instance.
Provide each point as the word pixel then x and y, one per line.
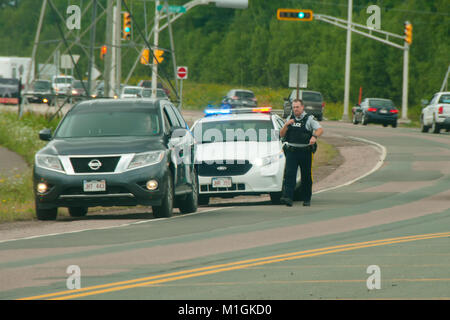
pixel 221 182
pixel 94 186
pixel 383 111
pixel 309 107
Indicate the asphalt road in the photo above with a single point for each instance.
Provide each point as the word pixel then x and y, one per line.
pixel 396 218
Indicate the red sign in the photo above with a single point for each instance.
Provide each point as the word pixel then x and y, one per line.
pixel 182 73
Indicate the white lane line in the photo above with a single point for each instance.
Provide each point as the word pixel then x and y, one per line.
pixel 112 227
pixel 375 168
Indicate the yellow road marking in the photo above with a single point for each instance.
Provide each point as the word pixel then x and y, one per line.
pixel 140 282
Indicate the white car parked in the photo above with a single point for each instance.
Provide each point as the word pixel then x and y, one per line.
pixel 239 153
pixel 131 92
pixel 436 115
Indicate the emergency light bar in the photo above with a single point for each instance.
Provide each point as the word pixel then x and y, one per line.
pixel 219 111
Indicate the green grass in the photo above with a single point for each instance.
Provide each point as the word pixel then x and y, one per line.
pixel 20 136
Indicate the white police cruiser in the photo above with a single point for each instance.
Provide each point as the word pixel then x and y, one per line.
pixel 239 152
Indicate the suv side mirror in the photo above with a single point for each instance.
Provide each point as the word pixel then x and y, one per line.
pixel 177 132
pixel 45 135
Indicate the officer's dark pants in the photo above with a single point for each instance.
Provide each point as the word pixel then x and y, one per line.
pixel 298 157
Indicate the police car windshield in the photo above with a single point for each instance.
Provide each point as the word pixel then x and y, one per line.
pixel 236 130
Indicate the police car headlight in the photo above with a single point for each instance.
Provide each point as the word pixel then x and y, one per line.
pixel 146 159
pixel 265 161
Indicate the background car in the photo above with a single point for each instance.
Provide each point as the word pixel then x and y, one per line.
pixel 375 110
pixel 160 93
pixel 62 84
pixel 436 115
pixel 78 90
pixel 240 98
pixel 148 84
pixel 312 100
pixel 116 153
pixel 41 92
pixel 131 92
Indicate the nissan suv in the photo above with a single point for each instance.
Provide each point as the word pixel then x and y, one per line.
pixel 116 153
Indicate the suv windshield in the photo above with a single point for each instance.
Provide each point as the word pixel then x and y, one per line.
pixel 237 130
pixel 113 122
pixel 42 85
pixel 380 103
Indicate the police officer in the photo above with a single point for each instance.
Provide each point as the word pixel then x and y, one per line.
pixel 301 132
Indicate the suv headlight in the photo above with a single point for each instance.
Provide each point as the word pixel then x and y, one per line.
pixel 146 159
pixel 49 162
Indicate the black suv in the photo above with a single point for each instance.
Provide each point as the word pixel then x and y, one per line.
pixel 42 92
pixel 117 153
pixel 312 100
pixel 237 98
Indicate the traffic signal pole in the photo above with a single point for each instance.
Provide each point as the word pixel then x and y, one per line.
pixel 380 36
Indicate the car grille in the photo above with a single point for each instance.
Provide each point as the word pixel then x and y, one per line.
pixel 234 187
pixel 81 165
pixel 226 169
pixel 109 190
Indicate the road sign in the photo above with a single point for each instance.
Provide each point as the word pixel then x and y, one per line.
pixel 173 9
pixel 182 73
pixel 298 75
pixel 66 61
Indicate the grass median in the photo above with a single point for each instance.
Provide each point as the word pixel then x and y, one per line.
pixel 20 136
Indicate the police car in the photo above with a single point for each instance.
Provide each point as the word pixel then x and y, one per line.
pixel 239 152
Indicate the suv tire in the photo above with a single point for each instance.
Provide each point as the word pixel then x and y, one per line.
pixel 165 210
pixel 190 203
pixel 45 214
pixel 78 211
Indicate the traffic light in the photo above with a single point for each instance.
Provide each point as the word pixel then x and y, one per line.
pixel 126 26
pixel 145 56
pixel 294 15
pixel 159 56
pixel 103 51
pixel 408 32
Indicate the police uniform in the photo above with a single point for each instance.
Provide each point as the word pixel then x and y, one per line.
pixel 298 153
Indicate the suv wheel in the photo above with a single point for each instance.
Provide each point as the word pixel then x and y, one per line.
pixel 435 128
pixel 190 204
pixel 354 119
pixel 166 207
pixel 78 211
pixel 365 120
pixel 423 127
pixel 45 214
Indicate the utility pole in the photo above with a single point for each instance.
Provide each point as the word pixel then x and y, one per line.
pixel 109 52
pixel 172 45
pixel 405 83
pixel 348 60
pixel 91 49
pixel 155 47
pixel 117 43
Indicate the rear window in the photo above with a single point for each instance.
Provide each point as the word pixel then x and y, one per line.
pixel 63 80
pixel 42 85
pixel 445 98
pixel 312 96
pixel 380 103
pixel 132 91
pixel 245 94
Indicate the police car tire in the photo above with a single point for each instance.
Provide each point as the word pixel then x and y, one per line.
pixel 435 128
pixel 275 197
pixel 423 128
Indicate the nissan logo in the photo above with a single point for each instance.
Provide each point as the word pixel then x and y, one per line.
pixel 95 164
pixel 222 168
